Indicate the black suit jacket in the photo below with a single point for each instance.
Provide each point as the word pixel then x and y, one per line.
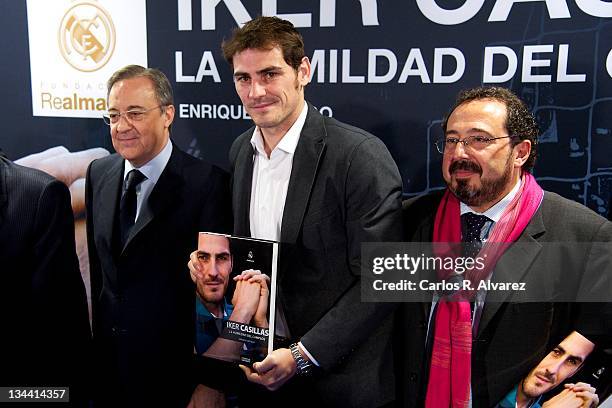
pixel 43 308
pixel 513 337
pixel 142 295
pixel 344 189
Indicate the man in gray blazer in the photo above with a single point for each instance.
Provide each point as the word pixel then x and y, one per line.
pixel 488 148
pixel 321 188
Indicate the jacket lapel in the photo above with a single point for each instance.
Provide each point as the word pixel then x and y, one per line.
pixel 306 161
pixel 242 181
pixel 162 196
pixel 303 174
pixel 513 266
pixel 105 210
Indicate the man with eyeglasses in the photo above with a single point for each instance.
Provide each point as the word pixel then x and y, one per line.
pixel 145 206
pixel 461 348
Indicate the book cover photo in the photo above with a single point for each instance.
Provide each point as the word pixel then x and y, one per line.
pixel 235 294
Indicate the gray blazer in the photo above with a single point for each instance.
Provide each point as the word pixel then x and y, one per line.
pixel 344 189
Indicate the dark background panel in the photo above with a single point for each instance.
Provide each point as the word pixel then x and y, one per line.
pixel 574 117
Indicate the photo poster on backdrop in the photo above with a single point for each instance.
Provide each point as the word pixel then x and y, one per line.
pixel 236 298
pixel 74 47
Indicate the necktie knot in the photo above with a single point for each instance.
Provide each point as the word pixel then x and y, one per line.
pixel 133 179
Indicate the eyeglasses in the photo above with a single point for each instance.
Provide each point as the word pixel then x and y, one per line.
pixel 132 115
pixel 448 144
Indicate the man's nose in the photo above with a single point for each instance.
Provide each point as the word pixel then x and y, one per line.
pixel 459 150
pixel 214 268
pixel 123 124
pixel 257 89
pixel 553 368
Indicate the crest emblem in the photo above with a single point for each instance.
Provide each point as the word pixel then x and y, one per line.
pixel 86 36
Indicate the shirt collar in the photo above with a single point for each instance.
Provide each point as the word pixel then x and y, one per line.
pixel 227 308
pixel 289 142
pixel 494 213
pixel 154 167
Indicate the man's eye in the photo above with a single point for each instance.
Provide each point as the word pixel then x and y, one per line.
pixel 270 74
pixel 113 116
pixel 203 257
pixel 556 352
pixel 135 115
pixel 481 139
pixel 242 79
pixel 451 141
pixel 573 361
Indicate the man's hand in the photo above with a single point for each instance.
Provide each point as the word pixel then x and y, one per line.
pixel 565 399
pixel 245 299
pixel 586 392
pixel 205 397
pixel 260 318
pixel 274 371
pixel 195 269
pixel 68 167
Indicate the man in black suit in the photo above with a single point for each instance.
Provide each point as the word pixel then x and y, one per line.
pixel 43 309
pixel 488 148
pixel 321 188
pixel 145 206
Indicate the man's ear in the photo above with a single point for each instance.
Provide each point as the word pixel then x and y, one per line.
pixel 522 151
pixel 168 115
pixel 303 72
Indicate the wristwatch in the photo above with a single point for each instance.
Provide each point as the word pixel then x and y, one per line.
pixel 304 367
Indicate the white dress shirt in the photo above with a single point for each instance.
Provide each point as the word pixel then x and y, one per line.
pixel 269 191
pixel 271 181
pixel 152 170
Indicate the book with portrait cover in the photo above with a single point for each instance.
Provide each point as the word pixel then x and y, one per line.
pixel 236 298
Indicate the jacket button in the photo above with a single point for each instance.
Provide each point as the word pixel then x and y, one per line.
pixel 413 377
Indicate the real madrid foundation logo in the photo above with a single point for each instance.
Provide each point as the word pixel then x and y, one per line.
pixel 86 36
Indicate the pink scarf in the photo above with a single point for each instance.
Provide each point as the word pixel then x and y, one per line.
pixel 450 370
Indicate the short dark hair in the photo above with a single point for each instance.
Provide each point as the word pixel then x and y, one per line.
pixel 161 85
pixel 520 122
pixel 265 33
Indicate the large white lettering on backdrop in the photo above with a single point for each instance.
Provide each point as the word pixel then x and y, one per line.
pixel 327 13
pixel 501 10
